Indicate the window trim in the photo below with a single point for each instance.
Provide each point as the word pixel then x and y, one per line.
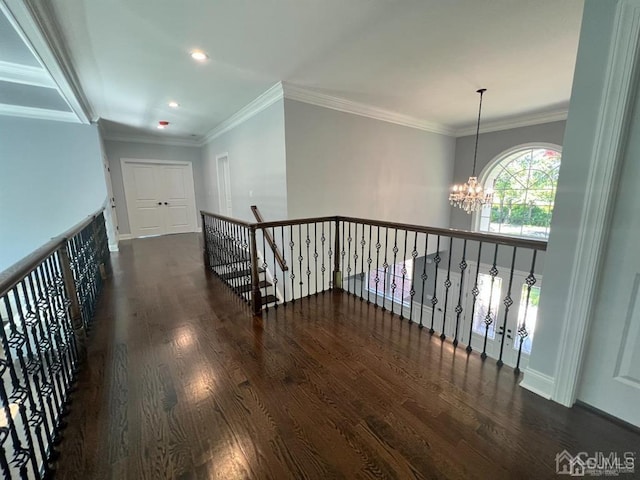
pixel 489 167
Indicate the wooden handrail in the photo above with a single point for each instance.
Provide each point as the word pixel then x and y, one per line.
pixel 269 238
pixel 10 277
pixel 227 219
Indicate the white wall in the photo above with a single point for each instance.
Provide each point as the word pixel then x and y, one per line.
pixel 256 150
pixel 116 150
pixel 344 164
pixel 490 145
pixel 584 111
pixel 51 177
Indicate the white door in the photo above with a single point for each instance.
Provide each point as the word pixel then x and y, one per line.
pixel 224 184
pixel 611 371
pixel 160 197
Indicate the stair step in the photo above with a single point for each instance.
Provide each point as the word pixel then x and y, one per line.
pixel 247 287
pixel 240 273
pixel 268 299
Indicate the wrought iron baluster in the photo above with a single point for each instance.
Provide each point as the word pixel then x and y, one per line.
pixel 363 243
pixel 292 275
pixel 300 259
pixel 447 286
pixel 342 255
pixel 369 262
pixel 394 285
pixel 349 260
pixel 308 272
pixel 315 254
pixel 474 292
pixel 377 278
pixel 434 298
pixel 523 333
pixel 424 277
pixel 329 254
pixel 284 263
pixel 507 302
pixel 275 269
pixel 323 268
pixel 488 320
pixel 404 273
pixel 265 266
pixel 385 266
pixel 463 266
pixel 412 292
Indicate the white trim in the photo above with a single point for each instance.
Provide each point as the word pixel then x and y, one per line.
pixel 36 24
pixel 305 95
pixel 176 142
pixel 268 98
pixel 488 168
pixel 25 74
pixel 39 113
pixel 538 383
pixel 125 236
pixel 114 248
pixel 124 160
pixel 599 196
pixel 526 120
pixel 227 180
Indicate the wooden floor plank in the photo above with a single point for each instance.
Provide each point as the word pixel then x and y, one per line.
pixel 181 382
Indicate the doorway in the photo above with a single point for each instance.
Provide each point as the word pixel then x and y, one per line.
pixel 160 197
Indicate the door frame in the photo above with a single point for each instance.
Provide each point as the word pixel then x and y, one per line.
pixel 124 161
pixel 227 181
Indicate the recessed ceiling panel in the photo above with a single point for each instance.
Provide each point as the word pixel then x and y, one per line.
pixel 30 96
pixel 12 48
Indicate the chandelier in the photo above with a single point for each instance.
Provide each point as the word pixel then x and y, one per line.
pixel 470 196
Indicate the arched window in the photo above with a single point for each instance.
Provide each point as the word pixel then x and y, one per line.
pixel 524 181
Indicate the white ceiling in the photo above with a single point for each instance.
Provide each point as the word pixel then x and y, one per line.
pixel 422 58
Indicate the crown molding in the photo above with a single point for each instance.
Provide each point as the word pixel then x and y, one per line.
pixel 36 24
pixel 514 122
pixel 38 113
pixel 312 97
pixel 268 98
pixel 25 74
pixel 175 142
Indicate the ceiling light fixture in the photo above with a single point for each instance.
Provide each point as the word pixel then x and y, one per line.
pixel 199 55
pixel 469 196
pixel 174 104
pixel 162 124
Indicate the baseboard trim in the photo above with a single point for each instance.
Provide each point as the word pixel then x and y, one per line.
pixel 125 236
pixel 114 248
pixel 538 383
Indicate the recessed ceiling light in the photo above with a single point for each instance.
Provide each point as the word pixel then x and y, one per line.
pixel 199 55
pixel 174 104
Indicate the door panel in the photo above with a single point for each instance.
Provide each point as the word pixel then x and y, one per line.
pixel 179 208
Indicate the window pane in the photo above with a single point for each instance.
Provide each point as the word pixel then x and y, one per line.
pixel 487 296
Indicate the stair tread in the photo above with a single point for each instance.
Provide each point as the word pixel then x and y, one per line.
pixel 239 273
pixel 247 287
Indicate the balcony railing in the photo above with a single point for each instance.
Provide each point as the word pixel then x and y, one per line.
pixel 47 304
pixel 475 289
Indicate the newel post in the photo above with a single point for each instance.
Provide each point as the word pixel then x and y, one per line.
pixel 256 295
pixel 337 274
pixel 206 255
pixel 77 323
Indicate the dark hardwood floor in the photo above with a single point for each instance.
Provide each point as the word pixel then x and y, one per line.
pixel 181 382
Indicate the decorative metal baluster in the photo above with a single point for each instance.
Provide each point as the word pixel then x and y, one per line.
pixel 21 392
pixel 4 465
pixel 342 255
pixel 329 255
pixel 246 251
pixel 238 256
pixel 275 268
pixel 362 244
pixel 475 292
pixel 447 286
pixel 434 298
pixel 424 277
pixel 308 272
pixel 377 279
pixel 21 455
pixel 265 267
pixel 463 266
pixel 292 275
pixel 352 278
pixel 315 254
pixel 30 371
pixel 323 269
pixel 369 262
pixel 523 333
pixel 404 273
pixel 54 364
pixel 394 285
pixel 300 258
pixel 47 388
pixel 412 292
pixel 507 302
pixel 385 266
pixel 284 264
pixel 488 319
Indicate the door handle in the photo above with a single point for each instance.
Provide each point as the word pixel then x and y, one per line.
pixel 166 203
pixel 159 203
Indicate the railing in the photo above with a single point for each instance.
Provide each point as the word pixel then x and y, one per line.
pixel 477 289
pixel 47 302
pixel 269 239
